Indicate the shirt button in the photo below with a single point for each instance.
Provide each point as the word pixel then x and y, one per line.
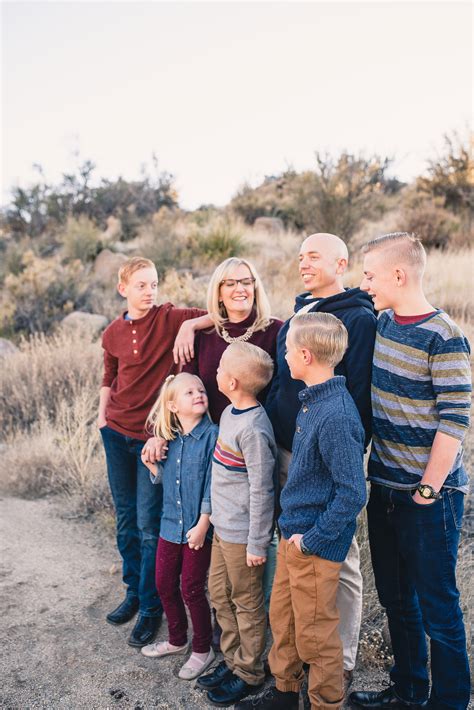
pixel 179 502
pixel 134 341
pixel 177 480
pixel 134 332
pixel 181 522
pixel 131 322
pixel 305 409
pixel 178 460
pixel 298 429
pixel 135 352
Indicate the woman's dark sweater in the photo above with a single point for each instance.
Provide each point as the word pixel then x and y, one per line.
pixel 208 349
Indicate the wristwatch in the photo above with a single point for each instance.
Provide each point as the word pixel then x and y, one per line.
pixel 305 550
pixel 427 491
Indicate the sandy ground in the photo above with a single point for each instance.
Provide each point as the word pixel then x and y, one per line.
pixel 57 651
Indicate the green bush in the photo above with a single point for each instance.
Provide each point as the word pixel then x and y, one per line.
pixel 336 197
pixel 80 239
pixel 41 294
pixel 434 225
pixel 221 241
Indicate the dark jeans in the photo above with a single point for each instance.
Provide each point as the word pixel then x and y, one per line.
pixel 414 551
pixel 172 562
pixel 138 505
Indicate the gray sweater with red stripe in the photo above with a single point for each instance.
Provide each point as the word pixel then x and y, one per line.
pixel 243 479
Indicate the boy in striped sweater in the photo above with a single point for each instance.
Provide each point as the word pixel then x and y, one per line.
pixel 421 385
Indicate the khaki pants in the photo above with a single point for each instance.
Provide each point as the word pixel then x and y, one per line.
pixel 349 593
pixel 237 596
pixel 304 620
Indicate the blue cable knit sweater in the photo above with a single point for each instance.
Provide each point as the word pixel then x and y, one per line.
pixel 325 489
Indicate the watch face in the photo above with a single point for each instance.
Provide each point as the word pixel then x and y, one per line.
pixel 425 492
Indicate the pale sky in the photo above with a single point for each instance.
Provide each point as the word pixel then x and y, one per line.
pixel 227 92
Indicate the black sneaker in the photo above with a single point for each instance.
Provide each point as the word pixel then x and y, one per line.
pixel 212 680
pixel 272 699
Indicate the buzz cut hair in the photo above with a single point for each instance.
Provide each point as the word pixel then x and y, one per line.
pixel 251 366
pixel 404 246
pixel 135 263
pixel 324 335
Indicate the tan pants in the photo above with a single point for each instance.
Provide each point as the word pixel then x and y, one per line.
pixel 237 596
pixel 304 620
pixel 349 593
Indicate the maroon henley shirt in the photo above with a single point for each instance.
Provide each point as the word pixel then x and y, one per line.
pixel 138 356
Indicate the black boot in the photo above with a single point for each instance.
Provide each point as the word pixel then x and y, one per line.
pixel 144 630
pixel 383 700
pixel 272 699
pixel 124 612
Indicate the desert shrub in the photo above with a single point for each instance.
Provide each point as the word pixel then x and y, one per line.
pixel 174 241
pixel 164 241
pixel 41 294
pixel 182 289
pixel 44 206
pixel 218 240
pixel 12 252
pixel 335 197
pixel 449 176
pixel 435 226
pixel 81 239
pixel 47 372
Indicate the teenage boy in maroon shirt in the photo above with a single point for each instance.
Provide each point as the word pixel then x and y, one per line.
pixel 138 357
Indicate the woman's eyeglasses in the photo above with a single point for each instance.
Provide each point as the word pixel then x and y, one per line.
pixel 232 283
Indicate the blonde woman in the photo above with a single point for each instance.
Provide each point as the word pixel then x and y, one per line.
pixel 240 310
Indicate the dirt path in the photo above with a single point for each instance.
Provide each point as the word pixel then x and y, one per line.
pixel 56 649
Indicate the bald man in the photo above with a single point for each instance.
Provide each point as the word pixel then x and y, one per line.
pixel 323 260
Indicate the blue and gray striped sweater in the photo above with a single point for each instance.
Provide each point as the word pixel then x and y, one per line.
pixel 421 384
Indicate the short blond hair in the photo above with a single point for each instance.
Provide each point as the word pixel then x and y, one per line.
pixel 403 246
pixel 217 310
pixel 324 335
pixel 251 366
pixel 131 265
pixel 161 421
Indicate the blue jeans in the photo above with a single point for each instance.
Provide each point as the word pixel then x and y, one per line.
pixel 414 551
pixel 138 505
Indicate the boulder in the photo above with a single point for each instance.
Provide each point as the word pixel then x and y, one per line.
pixel 106 266
pixel 271 225
pixel 7 348
pixel 88 322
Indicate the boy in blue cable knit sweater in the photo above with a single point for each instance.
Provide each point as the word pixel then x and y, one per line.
pixel 324 493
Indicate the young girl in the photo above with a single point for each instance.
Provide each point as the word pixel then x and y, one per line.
pixel 184 548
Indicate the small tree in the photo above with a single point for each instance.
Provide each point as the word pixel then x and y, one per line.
pixel 451 175
pixel 347 189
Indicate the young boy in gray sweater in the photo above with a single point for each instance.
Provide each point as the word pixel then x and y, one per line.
pixel 243 505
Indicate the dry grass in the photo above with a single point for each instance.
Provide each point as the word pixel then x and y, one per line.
pixel 49 395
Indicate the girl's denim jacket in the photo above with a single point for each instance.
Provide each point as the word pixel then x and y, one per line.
pixel 186 478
